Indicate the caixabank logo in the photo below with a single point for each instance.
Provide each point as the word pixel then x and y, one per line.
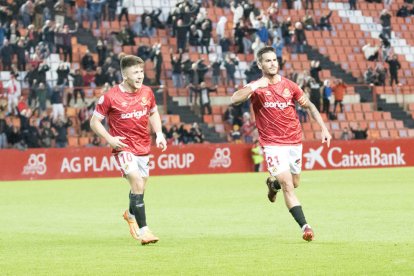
pixel 36 164
pixel 337 157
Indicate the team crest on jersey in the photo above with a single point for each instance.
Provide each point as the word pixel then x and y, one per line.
pixel 124 104
pixel 268 93
pixel 144 101
pixel 101 99
pixel 286 93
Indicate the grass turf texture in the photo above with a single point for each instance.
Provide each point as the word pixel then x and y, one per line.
pixel 211 225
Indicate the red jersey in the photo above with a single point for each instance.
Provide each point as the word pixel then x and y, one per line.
pixel 275 113
pixel 128 116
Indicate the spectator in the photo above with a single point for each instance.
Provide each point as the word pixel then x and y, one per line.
pixel 206 29
pixel 31 135
pixel 345 135
pixel 216 71
pixel 220 27
pixel 78 84
pixel 297 5
pixel 300 37
pixel 66 35
pixel 235 135
pixel 48 35
pixel 286 34
pixel 326 96
pixel 257 45
pixel 205 102
pixel 196 134
pixel 57 101
pixel 308 21
pixel 95 12
pixel 149 30
pixel 41 95
pixel 14 91
pixel 394 66
pixel 100 77
pixel 263 33
pixel 176 69
pixel 247 128
pixel 46 135
pixel 62 72
pixel 257 156
pixel 380 75
pixel 87 61
pixel 15 138
pixel 59 11
pixel 359 133
pixel 230 64
pixel 352 5
pixel 81 12
pixel 324 22
pixel 403 11
pixel 181 31
pixel 126 36
pixel 6 55
pixel 194 36
pixel 3 136
pixel 339 92
pixel 385 20
pixel 157 61
pixel 315 69
pixel 370 52
pixel 60 125
pixel 369 76
pixel 315 93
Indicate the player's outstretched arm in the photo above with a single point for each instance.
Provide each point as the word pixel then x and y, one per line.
pixel 244 94
pixel 155 121
pixel 99 129
pixel 325 135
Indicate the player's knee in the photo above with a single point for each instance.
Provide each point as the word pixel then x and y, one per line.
pixel 287 186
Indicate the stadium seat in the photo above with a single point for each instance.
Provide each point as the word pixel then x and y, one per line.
pixel 83 141
pixel 394 134
pixel 403 133
pixel 384 133
pixel 73 142
pixel 390 124
pixel 399 124
pixel 373 134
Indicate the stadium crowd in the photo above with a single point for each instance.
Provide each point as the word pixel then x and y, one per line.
pixel 33 108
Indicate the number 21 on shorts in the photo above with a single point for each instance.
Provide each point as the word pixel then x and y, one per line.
pixel 272 161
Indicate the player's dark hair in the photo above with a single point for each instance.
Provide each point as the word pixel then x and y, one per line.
pixel 263 51
pixel 130 60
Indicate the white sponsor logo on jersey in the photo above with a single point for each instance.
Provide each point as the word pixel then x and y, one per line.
pixel 36 164
pixel 221 158
pixel 136 114
pixel 280 105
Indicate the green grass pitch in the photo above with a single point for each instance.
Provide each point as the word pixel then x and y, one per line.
pixel 211 225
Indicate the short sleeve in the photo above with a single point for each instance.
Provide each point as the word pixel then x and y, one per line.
pixel 102 106
pixel 153 104
pixel 298 94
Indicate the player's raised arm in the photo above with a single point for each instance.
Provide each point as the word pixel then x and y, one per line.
pixel 155 121
pixel 99 129
pixel 325 135
pixel 244 94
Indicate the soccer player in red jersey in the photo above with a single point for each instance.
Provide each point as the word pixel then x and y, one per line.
pixel 129 107
pixel 280 134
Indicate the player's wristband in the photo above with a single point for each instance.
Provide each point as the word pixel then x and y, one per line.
pixel 159 134
pixel 253 86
